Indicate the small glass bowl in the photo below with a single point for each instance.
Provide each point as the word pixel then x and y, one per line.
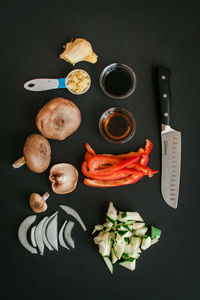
pixel 113 67
pixel 128 114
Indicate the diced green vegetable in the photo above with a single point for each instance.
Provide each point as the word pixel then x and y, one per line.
pixel 97 228
pixel 129 264
pixel 154 241
pixel 155 233
pixel 123 236
pixel 105 244
pixel 97 238
pixel 146 243
pixel 108 263
pixel 111 213
pixel 135 242
pixel 141 232
pixel 138 225
pixel 114 258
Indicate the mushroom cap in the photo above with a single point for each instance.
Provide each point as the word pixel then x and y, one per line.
pixel 37 203
pixel 58 119
pixel 37 153
pixel 64 178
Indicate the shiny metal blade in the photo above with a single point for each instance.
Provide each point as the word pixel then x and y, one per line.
pixel 171 165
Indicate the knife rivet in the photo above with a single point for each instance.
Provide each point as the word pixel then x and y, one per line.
pixel 163 77
pixel 164 95
pixel 165 114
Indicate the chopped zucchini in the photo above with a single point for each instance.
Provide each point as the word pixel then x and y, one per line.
pixel 135 242
pixel 105 244
pixel 138 225
pixel 97 228
pixel 154 241
pixel 141 232
pixel 108 263
pixel 114 258
pixel 98 238
pixel 125 234
pixel 111 213
pixel 129 264
pixel 129 216
pixel 155 233
pixel 146 243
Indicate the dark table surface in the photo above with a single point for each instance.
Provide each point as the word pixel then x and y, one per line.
pixel 143 35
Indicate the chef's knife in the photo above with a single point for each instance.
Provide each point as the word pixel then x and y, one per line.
pixel 171 143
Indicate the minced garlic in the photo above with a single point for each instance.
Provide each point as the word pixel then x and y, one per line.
pixel 78 81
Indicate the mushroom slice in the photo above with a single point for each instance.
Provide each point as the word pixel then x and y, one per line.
pixel 64 178
pixel 51 232
pixel 67 233
pixel 60 237
pixel 37 154
pixel 74 214
pixel 33 236
pixel 46 242
pixel 58 119
pixel 22 233
pixel 38 235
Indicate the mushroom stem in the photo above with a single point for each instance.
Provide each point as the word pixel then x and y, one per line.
pixel 45 196
pixel 19 163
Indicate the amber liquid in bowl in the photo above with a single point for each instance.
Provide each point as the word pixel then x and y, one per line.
pixel 117 126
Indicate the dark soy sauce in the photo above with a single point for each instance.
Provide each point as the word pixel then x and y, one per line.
pixel 118 82
pixel 117 126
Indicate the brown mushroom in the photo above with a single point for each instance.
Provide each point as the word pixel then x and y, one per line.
pixel 38 203
pixel 58 119
pixel 37 154
pixel 64 178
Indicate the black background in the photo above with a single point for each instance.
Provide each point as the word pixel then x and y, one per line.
pixel 143 35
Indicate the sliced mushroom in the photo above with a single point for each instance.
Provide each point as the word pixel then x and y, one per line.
pixel 64 178
pixel 38 203
pixel 58 119
pixel 37 154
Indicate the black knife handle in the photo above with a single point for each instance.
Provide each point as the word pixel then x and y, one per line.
pixel 164 75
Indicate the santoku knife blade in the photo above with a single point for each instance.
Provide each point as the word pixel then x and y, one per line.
pixel 171 143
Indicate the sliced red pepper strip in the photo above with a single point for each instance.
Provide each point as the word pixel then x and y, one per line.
pixel 113 168
pixel 97 161
pixel 141 151
pixel 89 149
pixel 112 183
pixel 123 173
pixel 144 169
pixel 87 156
pixel 144 160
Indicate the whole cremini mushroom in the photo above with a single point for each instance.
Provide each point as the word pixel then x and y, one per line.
pixel 37 154
pixel 64 178
pixel 38 203
pixel 58 119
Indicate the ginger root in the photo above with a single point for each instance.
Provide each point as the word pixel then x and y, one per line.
pixel 78 50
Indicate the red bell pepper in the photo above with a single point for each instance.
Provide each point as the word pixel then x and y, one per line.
pixel 87 156
pixel 89 149
pixel 123 173
pixel 144 169
pixel 112 183
pixel 101 161
pixel 113 168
